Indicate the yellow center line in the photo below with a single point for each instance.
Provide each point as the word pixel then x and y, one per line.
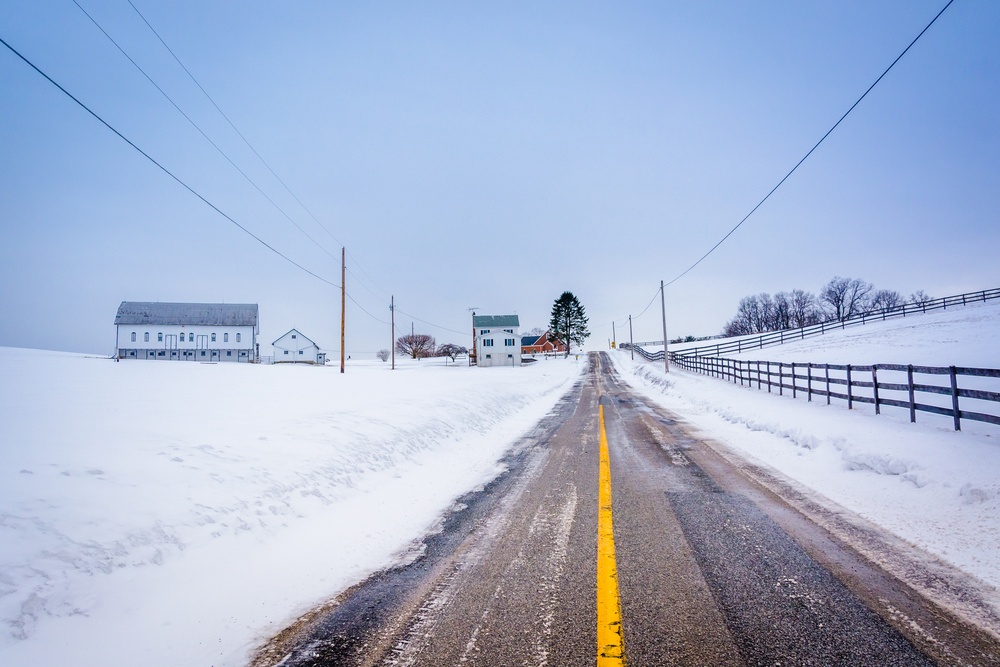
pixel 610 645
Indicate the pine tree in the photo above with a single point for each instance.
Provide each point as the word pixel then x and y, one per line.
pixel 569 322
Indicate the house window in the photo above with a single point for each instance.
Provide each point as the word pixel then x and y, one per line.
pixel 225 338
pixel 484 331
pixel 487 342
pixel 133 336
pixel 159 337
pixel 213 338
pixel 508 331
pixel 509 342
pixel 489 356
pixel 237 338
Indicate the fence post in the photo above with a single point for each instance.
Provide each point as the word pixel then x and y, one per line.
pixel 793 380
pixel 769 377
pixel 954 398
pixel 781 378
pixel 909 385
pixel 875 388
pixel 758 376
pixel 809 382
pixel 850 392
pixel 828 384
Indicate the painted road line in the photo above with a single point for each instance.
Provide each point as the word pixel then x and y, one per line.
pixel 610 645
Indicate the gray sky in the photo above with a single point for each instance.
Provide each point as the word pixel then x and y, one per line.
pixel 489 155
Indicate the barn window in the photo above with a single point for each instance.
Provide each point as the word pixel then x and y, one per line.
pixel 191 337
pixel 300 351
pixel 229 353
pixel 225 338
pixel 293 335
pixel 145 337
pixel 237 337
pixel 159 337
pixel 286 351
pixel 213 338
pixel 133 336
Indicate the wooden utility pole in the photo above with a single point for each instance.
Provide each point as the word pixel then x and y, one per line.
pixel 663 309
pixel 631 343
pixel 614 340
pixel 343 302
pixel 392 338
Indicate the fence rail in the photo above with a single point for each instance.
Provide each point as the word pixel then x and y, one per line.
pixel 893 385
pixel 789 335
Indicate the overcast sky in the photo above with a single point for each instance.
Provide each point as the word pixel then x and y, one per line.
pixel 488 155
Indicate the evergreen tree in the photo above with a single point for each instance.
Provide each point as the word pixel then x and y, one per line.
pixel 569 322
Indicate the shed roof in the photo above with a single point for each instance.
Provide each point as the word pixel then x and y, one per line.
pixel 529 340
pixel 212 314
pixel 479 321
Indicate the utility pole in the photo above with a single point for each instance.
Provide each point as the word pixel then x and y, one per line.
pixel 392 336
pixel 343 302
pixel 663 309
pixel 614 340
pixel 631 345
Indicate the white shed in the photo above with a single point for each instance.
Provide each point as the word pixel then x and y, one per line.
pixel 294 348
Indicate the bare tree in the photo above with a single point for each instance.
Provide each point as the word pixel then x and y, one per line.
pixel 920 298
pixel 804 310
pixel 782 316
pixel 451 350
pixel 845 296
pixel 382 354
pixel 417 346
pixel 886 299
pixel 537 331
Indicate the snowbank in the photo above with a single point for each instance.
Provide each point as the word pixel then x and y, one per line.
pixel 173 513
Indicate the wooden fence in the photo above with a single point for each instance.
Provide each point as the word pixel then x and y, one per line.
pixel 788 335
pixel 909 387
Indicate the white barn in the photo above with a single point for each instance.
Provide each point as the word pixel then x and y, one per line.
pixel 497 342
pixel 295 348
pixel 187 331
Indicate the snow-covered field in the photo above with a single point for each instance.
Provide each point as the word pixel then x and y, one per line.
pixel 935 488
pixel 172 513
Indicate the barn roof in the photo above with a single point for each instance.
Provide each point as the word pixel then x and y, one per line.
pixel 529 340
pixel 211 314
pixel 479 321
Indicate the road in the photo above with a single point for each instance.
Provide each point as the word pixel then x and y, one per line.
pixel 707 567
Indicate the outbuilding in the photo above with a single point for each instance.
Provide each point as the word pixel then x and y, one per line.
pixel 294 348
pixel 186 331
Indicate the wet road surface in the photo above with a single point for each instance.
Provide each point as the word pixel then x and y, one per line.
pixel 712 567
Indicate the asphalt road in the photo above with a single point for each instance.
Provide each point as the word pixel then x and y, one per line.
pixel 713 568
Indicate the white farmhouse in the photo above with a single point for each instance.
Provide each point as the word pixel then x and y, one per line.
pixel 186 331
pixel 295 348
pixel 497 342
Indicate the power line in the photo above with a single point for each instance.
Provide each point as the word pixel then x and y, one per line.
pixel 254 150
pixel 828 132
pixel 202 132
pixel 164 169
pixel 436 326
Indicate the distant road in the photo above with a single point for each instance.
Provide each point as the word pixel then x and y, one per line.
pixel 712 568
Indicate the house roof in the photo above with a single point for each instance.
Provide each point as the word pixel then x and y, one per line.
pixel 211 314
pixel 479 321
pixel 529 340
pixel 297 332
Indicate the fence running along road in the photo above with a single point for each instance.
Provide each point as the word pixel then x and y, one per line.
pixel 790 335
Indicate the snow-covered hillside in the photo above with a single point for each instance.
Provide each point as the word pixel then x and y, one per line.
pixel 936 488
pixel 169 513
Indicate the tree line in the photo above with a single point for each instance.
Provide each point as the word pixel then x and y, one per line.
pixel 840 299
